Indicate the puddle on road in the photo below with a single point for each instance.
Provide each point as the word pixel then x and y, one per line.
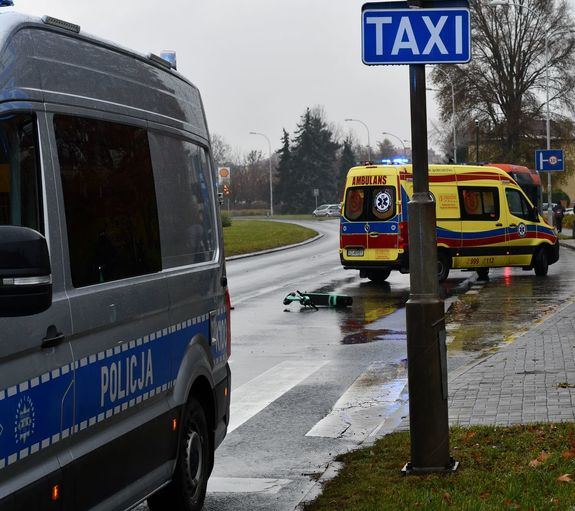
pixel 365 336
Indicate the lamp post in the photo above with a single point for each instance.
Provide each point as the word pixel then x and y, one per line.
pixel 366 129
pixel 400 141
pixel 270 161
pixel 452 113
pixel 476 140
pixel 495 3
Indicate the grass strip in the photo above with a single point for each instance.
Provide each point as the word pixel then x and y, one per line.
pixel 246 236
pixel 527 467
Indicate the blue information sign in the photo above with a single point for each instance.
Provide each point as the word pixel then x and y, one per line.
pixel 415 36
pixel 549 160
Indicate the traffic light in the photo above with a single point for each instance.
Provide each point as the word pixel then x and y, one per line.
pixel 226 189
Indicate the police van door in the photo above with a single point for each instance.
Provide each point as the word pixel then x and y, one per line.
pixel 119 302
pixel 36 369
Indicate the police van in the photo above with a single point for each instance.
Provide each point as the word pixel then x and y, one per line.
pixel 484 220
pixel 114 308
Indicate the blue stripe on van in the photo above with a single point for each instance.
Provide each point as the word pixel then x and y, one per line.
pixel 107 383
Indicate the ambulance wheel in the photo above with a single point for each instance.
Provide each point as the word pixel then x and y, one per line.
pixel 187 490
pixel 540 263
pixel 442 266
pixel 378 275
pixel 483 274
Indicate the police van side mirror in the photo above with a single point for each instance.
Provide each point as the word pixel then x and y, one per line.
pixel 25 273
pixel 534 214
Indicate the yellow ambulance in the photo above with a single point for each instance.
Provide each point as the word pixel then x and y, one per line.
pixel 484 220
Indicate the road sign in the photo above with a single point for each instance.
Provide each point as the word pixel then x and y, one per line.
pixel 415 36
pixel 549 160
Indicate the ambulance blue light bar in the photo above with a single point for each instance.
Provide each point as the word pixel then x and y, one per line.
pixel 6 3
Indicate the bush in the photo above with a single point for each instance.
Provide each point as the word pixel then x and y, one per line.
pixel 226 219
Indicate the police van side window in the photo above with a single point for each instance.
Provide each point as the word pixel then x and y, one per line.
pixel 479 203
pixel 186 200
pixel 20 197
pixel 518 206
pixel 109 200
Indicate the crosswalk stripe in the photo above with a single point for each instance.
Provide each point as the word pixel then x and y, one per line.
pixel 365 404
pixel 252 397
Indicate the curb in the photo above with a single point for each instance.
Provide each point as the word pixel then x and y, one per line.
pixel 277 249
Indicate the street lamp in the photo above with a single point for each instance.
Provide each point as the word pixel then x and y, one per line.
pixel 400 141
pixel 270 161
pixel 367 129
pixel 452 112
pixel 476 140
pixel 495 3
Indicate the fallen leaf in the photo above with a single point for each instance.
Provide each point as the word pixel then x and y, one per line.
pixel 534 463
pixel 543 456
pixel 447 497
pixel 469 435
pixel 565 478
pixel 567 455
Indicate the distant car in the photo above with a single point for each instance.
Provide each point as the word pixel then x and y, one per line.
pixel 569 211
pixel 333 210
pixel 322 210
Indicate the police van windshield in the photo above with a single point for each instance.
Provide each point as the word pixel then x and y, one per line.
pixel 19 176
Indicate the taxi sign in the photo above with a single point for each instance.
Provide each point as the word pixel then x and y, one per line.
pixel 415 36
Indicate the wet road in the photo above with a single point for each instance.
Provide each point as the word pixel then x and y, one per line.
pixel 309 385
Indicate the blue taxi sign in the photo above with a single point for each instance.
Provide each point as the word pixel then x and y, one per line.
pixel 549 160
pixel 415 36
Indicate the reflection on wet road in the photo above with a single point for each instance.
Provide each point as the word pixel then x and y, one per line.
pixel 504 307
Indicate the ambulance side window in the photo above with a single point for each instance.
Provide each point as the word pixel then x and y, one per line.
pixel 109 199
pixel 479 203
pixel 518 206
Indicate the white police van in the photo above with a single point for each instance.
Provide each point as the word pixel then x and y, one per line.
pixel 114 309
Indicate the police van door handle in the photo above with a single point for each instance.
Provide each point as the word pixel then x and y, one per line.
pixel 512 225
pixel 53 337
pixel 374 234
pixel 498 224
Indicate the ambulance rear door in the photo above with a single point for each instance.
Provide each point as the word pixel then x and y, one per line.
pixel 383 225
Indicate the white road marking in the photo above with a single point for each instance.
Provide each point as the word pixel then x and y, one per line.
pixel 252 397
pixel 246 485
pixel 364 406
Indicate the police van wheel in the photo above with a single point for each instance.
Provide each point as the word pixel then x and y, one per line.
pixel 442 266
pixel 187 490
pixel 540 263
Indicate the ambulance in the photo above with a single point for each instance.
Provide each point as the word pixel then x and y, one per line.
pixel 484 220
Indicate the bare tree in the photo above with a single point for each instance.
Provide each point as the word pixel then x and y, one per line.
pixel 504 87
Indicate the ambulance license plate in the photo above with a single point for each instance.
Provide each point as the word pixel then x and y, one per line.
pixel 355 252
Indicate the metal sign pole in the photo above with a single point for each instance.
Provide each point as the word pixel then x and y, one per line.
pixel 426 352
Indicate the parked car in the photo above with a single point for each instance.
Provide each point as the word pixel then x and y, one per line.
pixel 321 210
pixel 333 210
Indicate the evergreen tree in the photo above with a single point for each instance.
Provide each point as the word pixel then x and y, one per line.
pixel 283 189
pixel 313 164
pixel 347 159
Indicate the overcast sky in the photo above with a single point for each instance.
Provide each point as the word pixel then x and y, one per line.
pixel 259 63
